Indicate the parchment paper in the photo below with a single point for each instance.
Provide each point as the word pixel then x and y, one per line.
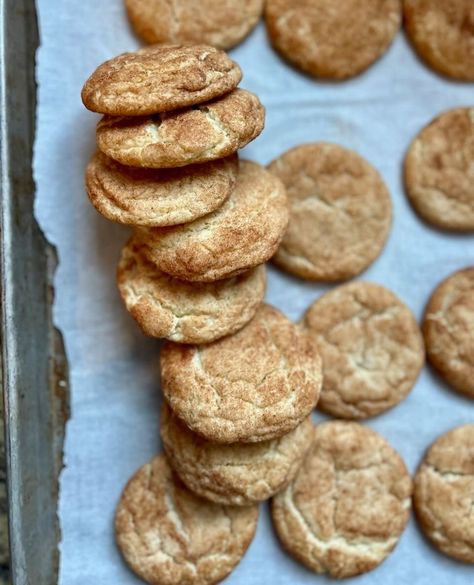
pixel 114 369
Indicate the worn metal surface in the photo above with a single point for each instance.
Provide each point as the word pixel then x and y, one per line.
pixel 33 362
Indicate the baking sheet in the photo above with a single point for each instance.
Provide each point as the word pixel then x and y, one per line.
pixel 114 369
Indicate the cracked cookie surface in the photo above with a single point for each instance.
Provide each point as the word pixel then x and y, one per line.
pixel 255 385
pixel 244 232
pixel 448 328
pixel 183 312
pixel 159 79
pixel 439 171
pixel 330 42
pixel 349 503
pixel 444 493
pixel 221 23
pixel 371 348
pixel 237 474
pixel 168 535
pixel 340 212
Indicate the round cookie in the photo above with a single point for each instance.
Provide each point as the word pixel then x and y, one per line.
pixel 221 23
pixel 183 312
pixel 448 328
pixel 442 33
pixel 340 212
pixel 439 171
pixel 159 79
pixel 244 232
pixel 168 535
pixel 371 348
pixel 349 503
pixel 175 139
pixel 239 474
pixel 332 42
pixel 444 488
pixel 255 385
pixel 158 197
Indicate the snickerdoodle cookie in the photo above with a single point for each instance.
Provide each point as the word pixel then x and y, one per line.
pixel 159 79
pixel 183 312
pixel 255 385
pixel 238 474
pixel 442 32
pixel 244 232
pixel 158 197
pixel 448 328
pixel 444 492
pixel 221 23
pixel 340 212
pixel 333 40
pixel 168 535
pixel 439 171
pixel 174 139
pixel 349 503
pixel 371 347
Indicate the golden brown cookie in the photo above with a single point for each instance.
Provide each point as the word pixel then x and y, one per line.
pixel 349 503
pixel 444 491
pixel 175 139
pixel 243 233
pixel 222 23
pixel 255 385
pixel 439 171
pixel 442 32
pixel 371 347
pixel 158 197
pixel 168 535
pixel 159 79
pixel 332 40
pixel 340 212
pixel 183 312
pixel 448 328
pixel 239 474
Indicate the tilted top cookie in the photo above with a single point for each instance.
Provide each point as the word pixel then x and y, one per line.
pixel 371 347
pixel 349 503
pixel 221 23
pixel 159 79
pixel 439 171
pixel 340 212
pixel 238 474
pixel 442 32
pixel 444 488
pixel 195 135
pixel 448 328
pixel 252 386
pixel 332 40
pixel 243 233
pixel 168 535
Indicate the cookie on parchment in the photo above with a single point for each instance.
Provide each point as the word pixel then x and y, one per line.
pixel 221 23
pixel 340 212
pixel 183 312
pixel 371 348
pixel 444 488
pixel 158 197
pixel 174 139
pixel 439 171
pixel 332 40
pixel 159 79
pixel 238 474
pixel 167 535
pixel 244 232
pixel 448 328
pixel 349 503
pixel 442 32
pixel 255 385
